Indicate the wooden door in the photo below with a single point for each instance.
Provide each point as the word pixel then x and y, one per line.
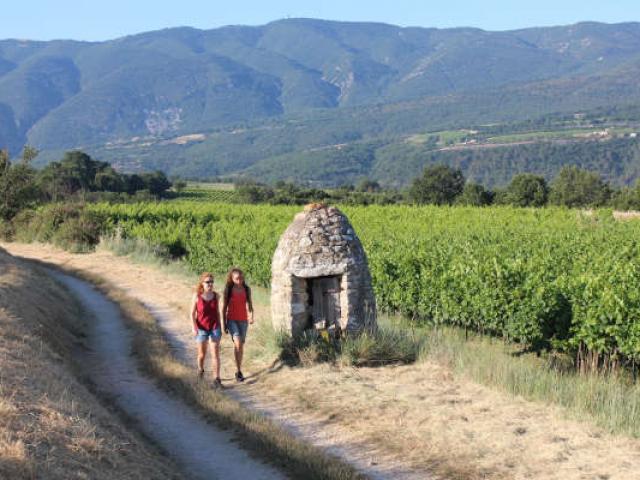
pixel 326 301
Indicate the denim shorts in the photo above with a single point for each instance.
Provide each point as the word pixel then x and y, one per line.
pixel 214 335
pixel 238 328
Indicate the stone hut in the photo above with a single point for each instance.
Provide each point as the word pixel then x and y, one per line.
pixel 320 276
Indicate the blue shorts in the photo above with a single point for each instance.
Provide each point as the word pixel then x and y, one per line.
pixel 214 335
pixel 238 329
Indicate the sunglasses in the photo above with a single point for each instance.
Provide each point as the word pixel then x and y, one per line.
pixel 208 282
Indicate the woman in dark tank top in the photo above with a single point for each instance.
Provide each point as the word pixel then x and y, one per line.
pixel 205 319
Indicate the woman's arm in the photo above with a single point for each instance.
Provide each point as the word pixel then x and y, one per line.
pixel 193 316
pixel 224 311
pixel 249 304
pixel 223 322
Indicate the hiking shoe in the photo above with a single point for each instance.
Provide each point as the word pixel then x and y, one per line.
pixel 239 376
pixel 217 383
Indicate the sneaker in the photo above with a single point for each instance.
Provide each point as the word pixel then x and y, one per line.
pixel 239 376
pixel 217 383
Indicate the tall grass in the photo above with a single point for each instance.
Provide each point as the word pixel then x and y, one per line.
pixel 611 401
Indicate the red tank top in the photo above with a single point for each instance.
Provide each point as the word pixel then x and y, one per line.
pixel 237 309
pixel 207 313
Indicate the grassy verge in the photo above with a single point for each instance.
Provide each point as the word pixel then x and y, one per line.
pixel 610 401
pixel 255 432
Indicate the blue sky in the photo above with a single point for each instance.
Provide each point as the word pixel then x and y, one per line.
pixel 105 19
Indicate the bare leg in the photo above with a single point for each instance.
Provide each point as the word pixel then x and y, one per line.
pixel 238 351
pixel 202 353
pixel 216 358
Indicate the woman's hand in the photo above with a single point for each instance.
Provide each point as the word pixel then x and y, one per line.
pixel 195 329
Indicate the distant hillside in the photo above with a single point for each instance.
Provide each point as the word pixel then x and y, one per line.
pixel 298 84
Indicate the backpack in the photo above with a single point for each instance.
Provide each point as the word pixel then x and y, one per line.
pixel 227 294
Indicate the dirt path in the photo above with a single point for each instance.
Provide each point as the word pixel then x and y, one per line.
pixel 200 449
pixel 393 422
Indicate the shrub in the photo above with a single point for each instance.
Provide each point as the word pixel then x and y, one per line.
pixel 388 345
pixel 68 226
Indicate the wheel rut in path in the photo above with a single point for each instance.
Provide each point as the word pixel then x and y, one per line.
pixel 202 450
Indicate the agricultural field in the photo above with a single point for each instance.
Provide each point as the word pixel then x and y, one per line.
pixel 209 192
pixel 544 278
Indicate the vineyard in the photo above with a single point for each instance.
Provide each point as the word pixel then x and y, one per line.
pixel 546 278
pixel 209 192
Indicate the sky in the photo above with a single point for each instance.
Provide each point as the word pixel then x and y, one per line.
pixel 106 19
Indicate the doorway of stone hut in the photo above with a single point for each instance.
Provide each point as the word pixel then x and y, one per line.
pixel 323 297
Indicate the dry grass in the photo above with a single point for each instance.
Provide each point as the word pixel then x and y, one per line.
pixel 422 419
pixel 630 215
pixel 51 426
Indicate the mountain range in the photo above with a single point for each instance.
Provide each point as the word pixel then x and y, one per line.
pixel 226 100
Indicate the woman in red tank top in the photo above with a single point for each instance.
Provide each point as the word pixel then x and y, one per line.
pixel 205 319
pixel 237 313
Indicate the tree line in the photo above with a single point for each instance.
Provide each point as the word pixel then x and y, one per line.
pixel 572 187
pixel 75 177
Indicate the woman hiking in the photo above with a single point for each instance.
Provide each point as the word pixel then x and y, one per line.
pixel 237 313
pixel 205 318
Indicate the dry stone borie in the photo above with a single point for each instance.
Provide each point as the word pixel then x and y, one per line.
pixel 320 276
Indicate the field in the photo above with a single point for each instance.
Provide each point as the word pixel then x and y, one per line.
pixel 209 192
pixel 459 138
pixel 545 278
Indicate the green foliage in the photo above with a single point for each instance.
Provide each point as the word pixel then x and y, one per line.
pixel 527 190
pixel 545 278
pixel 17 189
pixel 475 195
pixel 78 172
pixel 157 182
pixel 390 344
pixel 438 185
pixel 627 198
pixel 69 226
pixel 386 346
pixel 574 187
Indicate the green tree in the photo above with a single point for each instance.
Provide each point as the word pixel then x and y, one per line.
pixel 627 198
pixel 438 184
pixel 179 185
pixel 527 190
pixel 134 183
pixel 157 182
pixel 474 194
pixel 108 180
pixel 575 187
pixel 29 154
pixel 368 185
pixel 17 187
